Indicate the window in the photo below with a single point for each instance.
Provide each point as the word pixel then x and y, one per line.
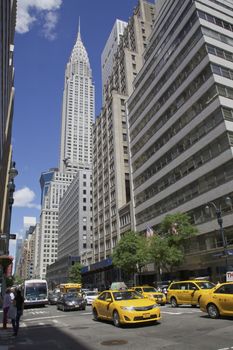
pixel 225 289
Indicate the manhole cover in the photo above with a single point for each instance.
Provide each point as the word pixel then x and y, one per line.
pixel 114 342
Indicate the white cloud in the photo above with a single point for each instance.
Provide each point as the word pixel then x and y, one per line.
pixel 51 19
pixel 40 11
pixel 24 198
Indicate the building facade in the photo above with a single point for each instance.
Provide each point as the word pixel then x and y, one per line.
pixel 75 164
pixel 78 111
pixel 111 187
pixel 7 31
pixel 48 236
pixel 110 48
pixel 180 119
pixel 75 217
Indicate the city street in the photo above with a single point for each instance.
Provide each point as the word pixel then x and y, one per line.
pixel 180 328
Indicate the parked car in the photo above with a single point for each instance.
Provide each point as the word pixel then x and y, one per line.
pixel 71 301
pixel 219 301
pixel 151 293
pixel 187 292
pixel 53 298
pixel 89 296
pixel 124 307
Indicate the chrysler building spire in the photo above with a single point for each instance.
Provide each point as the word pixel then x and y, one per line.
pixel 78 111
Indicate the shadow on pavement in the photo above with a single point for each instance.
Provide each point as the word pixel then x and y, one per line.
pixel 46 337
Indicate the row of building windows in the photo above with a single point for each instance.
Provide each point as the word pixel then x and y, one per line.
pixel 211 151
pixel 170 50
pixel 219 22
pixel 173 87
pixel 163 99
pixel 177 82
pixel 203 184
pixel 191 89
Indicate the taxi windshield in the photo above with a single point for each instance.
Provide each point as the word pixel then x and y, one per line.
pixel 205 285
pixel 149 289
pixel 127 295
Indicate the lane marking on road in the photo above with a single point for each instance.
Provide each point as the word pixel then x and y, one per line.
pixel 171 313
pixel 86 313
pixel 42 318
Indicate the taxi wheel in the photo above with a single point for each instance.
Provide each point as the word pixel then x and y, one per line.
pixel 174 302
pixel 116 319
pixel 213 311
pixel 95 315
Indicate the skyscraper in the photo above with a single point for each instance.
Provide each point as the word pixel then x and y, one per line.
pixel 77 112
pixel 111 188
pixel 75 156
pixel 180 126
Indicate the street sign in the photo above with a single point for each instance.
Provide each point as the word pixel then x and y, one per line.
pixel 229 276
pixel 12 236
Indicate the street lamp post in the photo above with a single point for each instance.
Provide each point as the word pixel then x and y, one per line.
pixel 218 213
pixel 13 172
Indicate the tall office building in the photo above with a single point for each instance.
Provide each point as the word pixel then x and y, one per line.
pixel 111 188
pixel 75 157
pixel 48 237
pixel 77 111
pixel 181 126
pixel 45 179
pixel 7 31
pixel 110 48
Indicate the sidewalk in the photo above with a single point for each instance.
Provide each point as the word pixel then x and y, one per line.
pixel 6 336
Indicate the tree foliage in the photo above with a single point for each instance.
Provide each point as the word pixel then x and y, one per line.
pixel 166 248
pixel 17 280
pixel 131 253
pixel 75 273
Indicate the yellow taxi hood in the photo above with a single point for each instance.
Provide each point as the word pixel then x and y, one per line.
pixel 135 302
pixel 153 293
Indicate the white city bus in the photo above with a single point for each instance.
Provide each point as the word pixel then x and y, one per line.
pixel 35 292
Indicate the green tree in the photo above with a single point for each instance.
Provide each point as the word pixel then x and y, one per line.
pixel 75 273
pixel 17 280
pixel 131 253
pixel 166 248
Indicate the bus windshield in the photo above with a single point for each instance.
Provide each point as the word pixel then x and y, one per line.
pixel 36 291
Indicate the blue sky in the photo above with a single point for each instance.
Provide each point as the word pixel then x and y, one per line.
pixel 45 34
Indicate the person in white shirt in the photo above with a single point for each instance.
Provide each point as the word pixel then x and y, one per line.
pixel 12 294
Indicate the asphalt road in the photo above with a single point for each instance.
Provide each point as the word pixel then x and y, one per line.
pixel 182 328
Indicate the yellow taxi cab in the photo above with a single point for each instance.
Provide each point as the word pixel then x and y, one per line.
pixel 151 293
pixel 187 292
pixel 219 301
pixel 124 307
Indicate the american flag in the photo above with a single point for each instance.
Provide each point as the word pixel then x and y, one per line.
pixel 149 231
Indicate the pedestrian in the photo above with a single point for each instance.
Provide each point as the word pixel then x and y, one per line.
pixel 12 294
pixel 19 303
pixel 6 306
